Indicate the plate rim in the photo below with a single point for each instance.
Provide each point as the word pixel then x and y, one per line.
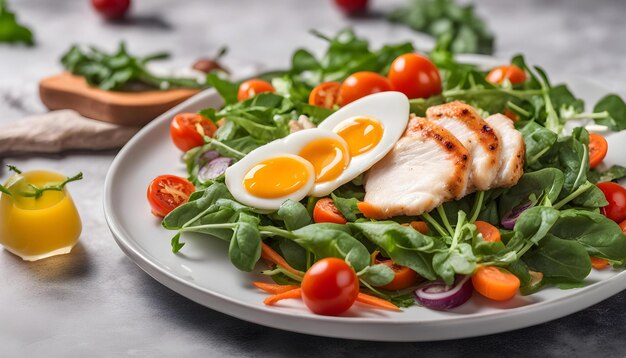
pixel 540 312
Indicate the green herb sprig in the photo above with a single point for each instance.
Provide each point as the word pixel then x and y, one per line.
pixel 10 30
pixel 37 192
pixel 118 71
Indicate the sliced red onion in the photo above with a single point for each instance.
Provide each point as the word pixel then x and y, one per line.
pixel 439 296
pixel 214 168
pixel 509 220
pixel 208 156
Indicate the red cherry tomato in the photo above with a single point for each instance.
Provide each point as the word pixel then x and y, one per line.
pixel 251 88
pixel 111 9
pixel 325 95
pixel 350 7
pixel 184 130
pixel 330 287
pixel 362 84
pixel 514 74
pixel 615 194
pixel 167 192
pixel 415 76
pixel 325 211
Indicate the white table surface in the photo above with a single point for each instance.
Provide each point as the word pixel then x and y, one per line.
pixel 95 302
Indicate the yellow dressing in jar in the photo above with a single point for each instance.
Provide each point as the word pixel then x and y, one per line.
pixel 38 227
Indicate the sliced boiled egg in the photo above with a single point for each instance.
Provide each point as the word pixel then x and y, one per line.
pixel 370 126
pixel 288 168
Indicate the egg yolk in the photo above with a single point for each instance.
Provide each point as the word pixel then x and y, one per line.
pixel 276 177
pixel 36 228
pixel 328 156
pixel 361 134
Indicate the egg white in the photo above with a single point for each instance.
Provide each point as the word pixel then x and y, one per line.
pixel 391 109
pixel 236 173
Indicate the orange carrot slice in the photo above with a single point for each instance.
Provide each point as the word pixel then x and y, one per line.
pixel 376 302
pixel 295 293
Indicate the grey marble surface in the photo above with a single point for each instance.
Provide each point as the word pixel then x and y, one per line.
pixel 95 302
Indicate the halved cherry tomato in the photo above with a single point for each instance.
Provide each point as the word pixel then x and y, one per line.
pixel 415 76
pixel 495 283
pixel 490 233
pixel 403 277
pixel 615 194
pixel 362 84
pixel 325 95
pixel 325 211
pixel 251 88
pixel 167 192
pixel 598 146
pixel 330 287
pixel 514 74
pixel 184 130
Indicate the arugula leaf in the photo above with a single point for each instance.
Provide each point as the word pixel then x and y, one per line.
pixel 10 30
pixel 404 245
pixel 228 90
pixel 245 245
pixel 613 112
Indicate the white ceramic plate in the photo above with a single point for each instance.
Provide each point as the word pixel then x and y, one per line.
pixel 202 272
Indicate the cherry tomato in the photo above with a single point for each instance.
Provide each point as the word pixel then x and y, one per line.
pixel 403 277
pixel 167 192
pixel 615 194
pixel 361 84
pixel 111 9
pixel 330 287
pixel 184 130
pixel 622 226
pixel 325 95
pixel 351 7
pixel 415 76
pixel 514 74
pixel 598 147
pixel 251 88
pixel 325 211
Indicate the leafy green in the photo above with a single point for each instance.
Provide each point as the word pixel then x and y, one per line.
pixel 615 172
pixel 377 275
pixel 119 71
pixel 10 30
pixel 404 245
pixel 228 90
pixel 245 245
pixel 559 260
pixel 294 215
pixel 465 31
pixel 541 186
pixel 611 111
pixel 347 206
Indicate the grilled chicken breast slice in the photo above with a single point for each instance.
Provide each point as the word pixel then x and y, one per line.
pixel 426 167
pixel 476 135
pixel 512 153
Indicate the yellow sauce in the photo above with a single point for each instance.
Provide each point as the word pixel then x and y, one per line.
pixel 36 228
pixel 361 134
pixel 328 156
pixel 276 177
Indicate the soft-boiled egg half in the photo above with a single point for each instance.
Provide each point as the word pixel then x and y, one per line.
pixel 314 162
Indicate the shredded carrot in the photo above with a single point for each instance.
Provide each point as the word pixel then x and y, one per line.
pixel 598 263
pixel 368 210
pixel 270 255
pixel 295 293
pixel 376 302
pixel 274 288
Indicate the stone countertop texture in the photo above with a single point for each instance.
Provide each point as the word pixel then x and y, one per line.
pixel 96 303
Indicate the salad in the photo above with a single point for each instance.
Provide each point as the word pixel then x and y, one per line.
pixel 393 178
